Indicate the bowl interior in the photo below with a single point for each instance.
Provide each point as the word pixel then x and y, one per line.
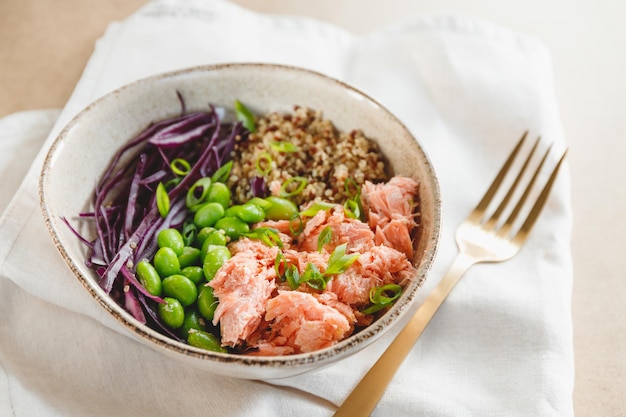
pixel 84 148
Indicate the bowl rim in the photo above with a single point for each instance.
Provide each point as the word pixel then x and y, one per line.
pixel 145 333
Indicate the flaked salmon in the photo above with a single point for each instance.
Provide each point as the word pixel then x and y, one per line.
pixel 262 313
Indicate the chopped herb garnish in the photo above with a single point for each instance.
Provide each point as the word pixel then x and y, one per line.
pixel 245 116
pixel 293 186
pixel 162 200
pixel 285 147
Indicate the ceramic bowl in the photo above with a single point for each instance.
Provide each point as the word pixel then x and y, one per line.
pixel 84 148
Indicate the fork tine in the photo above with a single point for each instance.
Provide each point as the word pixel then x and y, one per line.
pixel 506 227
pixel 524 230
pixel 505 201
pixel 478 212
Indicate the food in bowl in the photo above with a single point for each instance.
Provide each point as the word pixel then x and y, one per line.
pixel 85 147
pixel 273 235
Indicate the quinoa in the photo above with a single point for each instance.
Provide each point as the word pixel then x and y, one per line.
pixel 304 144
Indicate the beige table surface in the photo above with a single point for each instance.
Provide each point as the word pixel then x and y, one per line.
pixel 44 45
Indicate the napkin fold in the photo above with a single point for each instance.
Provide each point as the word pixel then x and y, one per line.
pixel 501 345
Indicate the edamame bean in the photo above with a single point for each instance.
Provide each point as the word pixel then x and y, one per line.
pixel 194 273
pixel 208 214
pixel 166 262
pixel 219 193
pixel 181 288
pixel 149 277
pixel 251 213
pixel 233 211
pixel 217 238
pixel 280 209
pixel 214 259
pixel 190 256
pixel 205 340
pixel 171 312
pixel 207 303
pixel 202 235
pixel 171 238
pixel 264 204
pixel 234 227
pixel 192 320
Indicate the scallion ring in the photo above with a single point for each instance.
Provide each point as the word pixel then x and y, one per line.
pixel 351 209
pixel 162 200
pixel 293 186
pixel 180 167
pixel 245 116
pixel 325 237
pixel 300 226
pixel 198 192
pixel 315 208
pixel 222 173
pixel 352 189
pixel 284 147
pixel 264 163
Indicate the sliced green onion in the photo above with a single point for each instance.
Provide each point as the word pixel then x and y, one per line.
pixel 382 297
pixel 264 163
pixel 292 276
pixel 288 189
pixel 180 167
pixel 325 236
pixel 295 231
pixel 267 235
pixel 172 183
pixel 315 208
pixel 245 116
pixel 222 173
pixel 339 262
pixel 352 189
pixel 285 147
pixel 280 265
pixel 162 200
pixel 351 209
pixel 198 192
pixel 379 295
pixel 190 231
pixel 313 277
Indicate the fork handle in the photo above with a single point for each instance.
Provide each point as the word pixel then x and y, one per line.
pixel 365 396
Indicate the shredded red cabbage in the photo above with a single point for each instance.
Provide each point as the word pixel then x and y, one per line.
pixel 125 215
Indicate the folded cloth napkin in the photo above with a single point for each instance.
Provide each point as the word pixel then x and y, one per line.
pixel 501 345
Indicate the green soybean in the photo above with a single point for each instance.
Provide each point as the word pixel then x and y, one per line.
pixel 192 320
pixel 189 256
pixel 217 238
pixel 280 208
pixel 251 213
pixel 166 262
pixel 149 277
pixel 264 204
pixel 171 312
pixel 181 288
pixel 219 193
pixel 205 340
pixel 215 257
pixel 171 238
pixel 208 214
pixel 194 273
pixel 234 227
pixel 202 235
pixel 207 303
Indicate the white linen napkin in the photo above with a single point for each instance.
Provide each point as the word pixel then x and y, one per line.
pixel 501 345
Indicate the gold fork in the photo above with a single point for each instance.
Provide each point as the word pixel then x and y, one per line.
pixel 482 237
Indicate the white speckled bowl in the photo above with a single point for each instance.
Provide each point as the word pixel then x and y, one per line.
pixel 81 152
